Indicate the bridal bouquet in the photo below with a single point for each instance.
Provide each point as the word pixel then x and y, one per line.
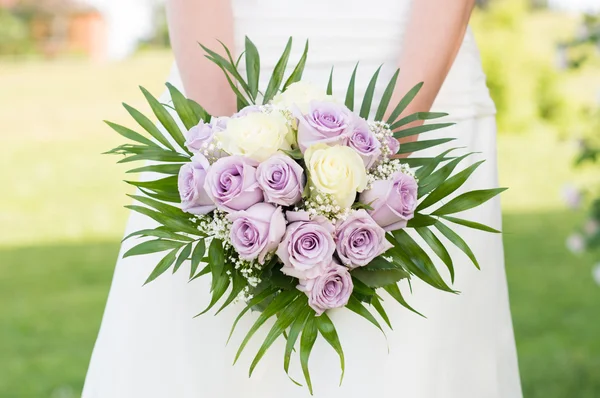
pixel 299 203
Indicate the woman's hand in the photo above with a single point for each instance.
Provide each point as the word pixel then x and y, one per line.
pixel 431 42
pixel 192 22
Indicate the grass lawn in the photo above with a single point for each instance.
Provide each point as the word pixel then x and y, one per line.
pixel 62 220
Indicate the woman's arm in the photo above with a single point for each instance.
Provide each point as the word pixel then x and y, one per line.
pixel 193 21
pixel 431 42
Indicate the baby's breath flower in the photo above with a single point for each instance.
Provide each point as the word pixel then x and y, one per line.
pixel 382 132
pixel 324 205
pixel 217 226
pixel 385 169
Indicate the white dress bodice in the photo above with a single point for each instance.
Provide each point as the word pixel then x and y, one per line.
pixel 344 32
pixel 151 346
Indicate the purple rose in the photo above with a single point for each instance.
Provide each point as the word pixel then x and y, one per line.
pixel 231 183
pixel 393 201
pixel 325 122
pixel 200 137
pixel 359 240
pixel 197 136
pixel 245 111
pixel 331 289
pixel 190 184
pixel 281 179
pixel 363 141
pixel 307 246
pixel 393 144
pixel 257 231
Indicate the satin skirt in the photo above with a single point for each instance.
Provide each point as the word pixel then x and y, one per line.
pixel 150 345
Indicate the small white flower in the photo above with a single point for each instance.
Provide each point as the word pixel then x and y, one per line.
pixel 572 196
pixel 596 273
pixel 576 243
pixel 591 227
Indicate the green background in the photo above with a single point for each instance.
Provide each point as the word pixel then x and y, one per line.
pixel 61 217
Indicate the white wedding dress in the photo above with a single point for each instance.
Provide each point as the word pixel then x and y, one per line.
pixel 150 346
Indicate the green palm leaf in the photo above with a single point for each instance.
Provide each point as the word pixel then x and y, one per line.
pixel 203 271
pixel 379 273
pixel 415 146
pixel 327 330
pixel 468 200
pixel 457 241
pixel 130 134
pixel 330 83
pixel 277 76
pixel 159 155
pixel 252 67
pixel 216 259
pixel 350 91
pixel 284 320
pixel 365 107
pixel 394 291
pixel 163 189
pixel 228 67
pixel 199 111
pixel 165 118
pixel 218 290
pixel 184 255
pixel 471 224
pixel 183 107
pixel 376 303
pixel 160 206
pixel 162 266
pixel 296 75
pixel 428 183
pixel 428 168
pixel 279 303
pixel 421 220
pixel 295 329
pixel 418 116
pixel 158 233
pixel 357 307
pixel 256 300
pixel 404 102
pixel 386 97
pixel 152 246
pixel 307 341
pixel 149 126
pixel 417 261
pixel 438 248
pixel 158 168
pixel 238 284
pixel 197 256
pixel 414 162
pixel 424 128
pixel 171 223
pixel 448 186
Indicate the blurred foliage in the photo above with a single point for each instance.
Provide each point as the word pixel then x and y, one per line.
pixel 15 35
pixel 57 257
pixel 581 52
pixel 160 38
pixel 517 45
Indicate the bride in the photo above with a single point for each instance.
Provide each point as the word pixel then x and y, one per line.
pixel 150 346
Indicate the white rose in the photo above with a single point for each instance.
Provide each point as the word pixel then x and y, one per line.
pixel 256 136
pixel 337 171
pixel 300 94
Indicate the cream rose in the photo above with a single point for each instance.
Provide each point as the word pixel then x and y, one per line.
pixel 256 135
pixel 336 170
pixel 300 94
